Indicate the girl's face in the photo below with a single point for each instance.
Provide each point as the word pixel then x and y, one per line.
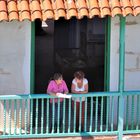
pixel 59 81
pixel 78 80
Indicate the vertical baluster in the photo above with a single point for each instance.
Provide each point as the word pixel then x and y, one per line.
pixel 58 117
pixel 107 112
pixel 26 114
pixel 64 105
pixel 15 116
pixel 47 115
pixel 4 128
pixel 85 116
pixel 69 123
pixel 101 124
pixel 137 114
pixel 127 110
pixel 31 117
pixel 20 117
pixel 91 113
pixel 42 115
pixel 96 115
pixel 132 114
pixel 112 113
pixel 74 125
pixel 9 117
pixel 53 115
pixel 36 119
pixel 80 115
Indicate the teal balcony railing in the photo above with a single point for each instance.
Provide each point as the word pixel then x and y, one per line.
pixel 105 113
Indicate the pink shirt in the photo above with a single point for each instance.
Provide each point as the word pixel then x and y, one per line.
pixel 55 88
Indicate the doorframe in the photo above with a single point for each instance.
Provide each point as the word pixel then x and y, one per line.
pixel 106 63
pixel 107 54
pixel 32 59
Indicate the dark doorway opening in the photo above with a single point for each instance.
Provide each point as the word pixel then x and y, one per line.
pixel 67 46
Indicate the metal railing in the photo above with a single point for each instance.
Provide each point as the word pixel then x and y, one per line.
pixel 39 115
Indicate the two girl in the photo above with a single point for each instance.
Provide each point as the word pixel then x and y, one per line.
pixel 79 86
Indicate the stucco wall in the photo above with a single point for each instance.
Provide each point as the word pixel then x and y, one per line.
pixel 132 59
pixel 132 53
pixel 15 57
pixel 15 45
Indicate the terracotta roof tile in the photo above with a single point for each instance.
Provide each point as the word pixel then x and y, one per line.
pixel 3 10
pixel 12 10
pixel 54 9
pixel 94 9
pixel 126 7
pixel 136 7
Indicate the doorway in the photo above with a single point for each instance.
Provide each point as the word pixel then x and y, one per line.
pixel 67 46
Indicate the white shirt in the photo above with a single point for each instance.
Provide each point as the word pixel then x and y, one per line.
pixel 85 81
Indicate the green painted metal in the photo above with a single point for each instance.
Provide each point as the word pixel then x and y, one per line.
pixel 96 117
pixel 107 54
pixel 74 125
pixel 42 115
pixel 107 112
pixel 31 116
pixel 127 110
pixel 120 119
pixel 138 112
pixel 61 135
pixel 96 114
pixel 9 116
pixel 47 115
pixel 58 117
pixel 132 113
pixel 80 114
pixel 112 113
pixel 101 118
pixel 91 113
pixel 121 74
pixel 4 128
pixel 26 115
pixel 69 121
pixel 122 54
pixel 15 116
pixel 85 116
pixel 20 116
pixel 36 118
pixel 32 66
pixel 53 113
pixel 64 114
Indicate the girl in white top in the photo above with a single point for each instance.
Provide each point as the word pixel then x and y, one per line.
pixel 79 86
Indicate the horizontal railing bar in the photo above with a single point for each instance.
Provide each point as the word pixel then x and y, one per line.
pixel 114 133
pixel 40 96
pixel 90 94
pixel 131 131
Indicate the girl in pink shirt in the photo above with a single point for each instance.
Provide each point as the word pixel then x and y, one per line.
pixel 57 85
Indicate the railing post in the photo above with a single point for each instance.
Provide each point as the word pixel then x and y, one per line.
pixel 120 119
pixel 121 75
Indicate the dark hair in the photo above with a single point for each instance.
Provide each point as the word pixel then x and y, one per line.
pixel 79 75
pixel 57 76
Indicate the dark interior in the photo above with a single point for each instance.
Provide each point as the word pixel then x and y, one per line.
pixel 67 46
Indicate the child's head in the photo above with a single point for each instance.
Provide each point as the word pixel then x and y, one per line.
pixel 79 76
pixel 58 78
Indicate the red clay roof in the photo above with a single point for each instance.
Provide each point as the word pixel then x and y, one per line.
pixel 54 9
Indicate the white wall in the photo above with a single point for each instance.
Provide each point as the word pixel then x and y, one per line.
pixel 132 53
pixel 15 40
pixel 15 45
